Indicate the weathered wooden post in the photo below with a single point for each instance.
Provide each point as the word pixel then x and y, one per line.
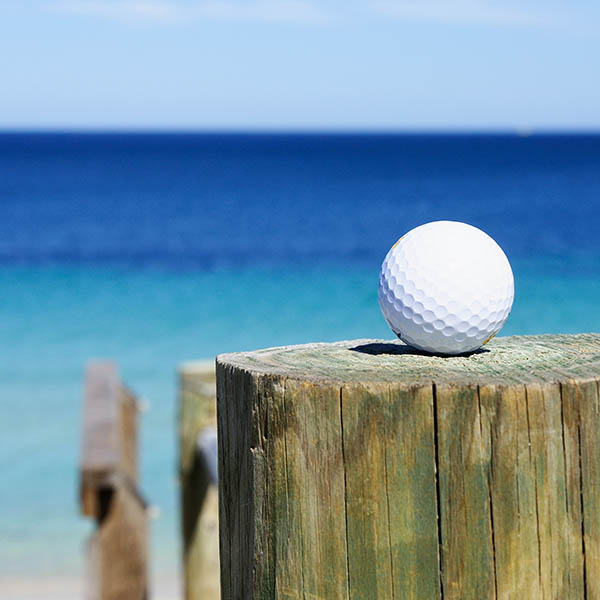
pixel 367 469
pixel 118 549
pixel 198 488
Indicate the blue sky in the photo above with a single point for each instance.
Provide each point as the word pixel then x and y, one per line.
pixel 300 64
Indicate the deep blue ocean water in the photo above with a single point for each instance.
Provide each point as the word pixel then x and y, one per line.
pixel 158 249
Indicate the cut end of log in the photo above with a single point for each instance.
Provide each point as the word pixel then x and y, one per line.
pixel 505 360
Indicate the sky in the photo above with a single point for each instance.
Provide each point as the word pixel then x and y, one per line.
pixel 300 65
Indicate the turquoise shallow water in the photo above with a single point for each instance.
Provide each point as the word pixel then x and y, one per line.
pixel 53 319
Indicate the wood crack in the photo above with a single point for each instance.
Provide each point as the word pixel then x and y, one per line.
pixel 564 445
pixel 437 490
pixel 517 488
pixel 489 484
pixel 535 471
pixel 345 492
pixel 387 499
pixel 582 514
pixel 285 461
pixel 566 473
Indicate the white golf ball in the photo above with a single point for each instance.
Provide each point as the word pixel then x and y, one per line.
pixel 446 287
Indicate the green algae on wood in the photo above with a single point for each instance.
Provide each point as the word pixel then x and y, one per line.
pixel 366 469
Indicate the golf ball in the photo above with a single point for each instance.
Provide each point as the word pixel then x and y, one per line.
pixel 446 287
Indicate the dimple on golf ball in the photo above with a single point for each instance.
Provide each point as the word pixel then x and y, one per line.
pixel 446 287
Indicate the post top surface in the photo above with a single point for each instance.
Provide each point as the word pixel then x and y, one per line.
pixel 516 359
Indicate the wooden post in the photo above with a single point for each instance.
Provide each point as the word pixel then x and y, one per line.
pixel 117 552
pixel 368 469
pixel 198 488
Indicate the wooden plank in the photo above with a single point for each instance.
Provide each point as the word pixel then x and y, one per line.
pixel 315 565
pixel 466 525
pixel 573 526
pixel 236 502
pixel 266 393
pixel 297 536
pixel 109 440
pixel 117 553
pixel 389 460
pixel 411 493
pixel 367 516
pixel 101 446
pixel 545 425
pixel 513 489
pixel 589 402
pixel 198 491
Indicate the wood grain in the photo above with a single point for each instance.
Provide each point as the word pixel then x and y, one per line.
pixel 101 445
pixel 466 527
pixel 118 548
pixel 315 493
pixel 388 437
pixel 366 469
pixel 588 396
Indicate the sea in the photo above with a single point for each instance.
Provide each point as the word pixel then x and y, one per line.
pixel 155 249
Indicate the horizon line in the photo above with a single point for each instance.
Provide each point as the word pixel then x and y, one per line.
pixel 308 131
